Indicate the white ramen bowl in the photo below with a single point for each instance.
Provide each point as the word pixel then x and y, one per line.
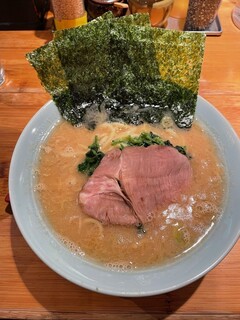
pixel 40 237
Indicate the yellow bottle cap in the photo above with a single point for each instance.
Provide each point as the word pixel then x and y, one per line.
pixel 65 24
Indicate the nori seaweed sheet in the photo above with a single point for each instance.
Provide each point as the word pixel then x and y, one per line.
pixel 134 72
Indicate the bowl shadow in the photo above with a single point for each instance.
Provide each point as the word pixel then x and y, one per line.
pixel 57 295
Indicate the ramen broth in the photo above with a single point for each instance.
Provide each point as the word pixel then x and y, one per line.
pixel 173 230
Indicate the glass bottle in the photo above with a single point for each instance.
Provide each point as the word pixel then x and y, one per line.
pixel 69 13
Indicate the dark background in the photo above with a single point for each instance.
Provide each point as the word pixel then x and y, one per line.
pixel 23 14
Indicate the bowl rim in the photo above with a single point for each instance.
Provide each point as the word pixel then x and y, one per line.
pixel 85 273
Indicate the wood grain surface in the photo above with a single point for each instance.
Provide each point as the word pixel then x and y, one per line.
pixel 28 288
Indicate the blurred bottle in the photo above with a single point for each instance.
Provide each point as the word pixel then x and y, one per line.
pixel 96 8
pixel 158 10
pixel 69 13
pixel 201 14
pixel 236 13
pixel 179 9
pixel 23 14
pixel 2 74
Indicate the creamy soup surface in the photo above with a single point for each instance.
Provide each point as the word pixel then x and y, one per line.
pixel 174 229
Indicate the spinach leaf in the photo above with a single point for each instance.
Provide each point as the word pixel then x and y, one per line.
pixel 92 158
pixel 145 139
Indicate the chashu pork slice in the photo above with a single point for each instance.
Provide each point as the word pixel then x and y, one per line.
pixel 129 185
pixel 102 198
pixel 153 176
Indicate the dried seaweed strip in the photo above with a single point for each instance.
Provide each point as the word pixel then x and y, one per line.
pixel 149 74
pixel 46 62
pixel 49 68
pixel 139 19
pixel 89 68
pixel 134 72
pixel 74 52
pixel 179 55
pixel 133 63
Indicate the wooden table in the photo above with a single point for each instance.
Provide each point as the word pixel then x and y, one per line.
pixel 28 288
